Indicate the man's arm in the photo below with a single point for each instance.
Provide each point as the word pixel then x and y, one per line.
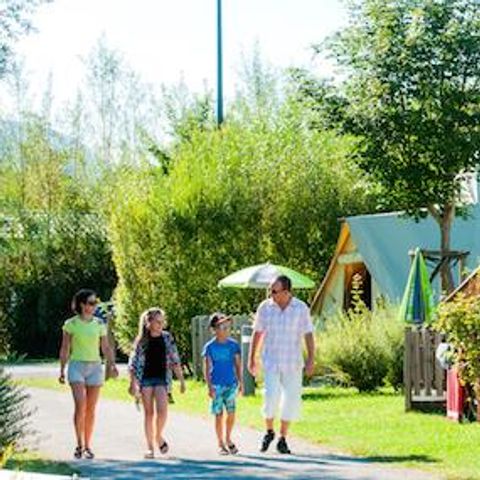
pixel 252 362
pixel 310 362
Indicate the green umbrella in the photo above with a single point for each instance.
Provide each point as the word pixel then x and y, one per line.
pixel 260 276
pixel 418 303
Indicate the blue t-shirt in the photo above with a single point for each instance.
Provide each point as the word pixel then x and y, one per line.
pixel 222 360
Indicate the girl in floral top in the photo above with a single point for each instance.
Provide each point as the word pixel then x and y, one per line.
pixel 153 358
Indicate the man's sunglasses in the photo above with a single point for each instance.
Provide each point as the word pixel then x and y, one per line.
pixel 274 292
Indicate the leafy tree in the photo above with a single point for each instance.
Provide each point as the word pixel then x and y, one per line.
pixel 413 99
pixel 14 22
pixel 259 189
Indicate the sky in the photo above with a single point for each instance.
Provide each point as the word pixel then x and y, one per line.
pixel 166 40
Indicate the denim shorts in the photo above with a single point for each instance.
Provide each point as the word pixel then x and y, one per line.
pixel 225 396
pixel 89 373
pixel 153 382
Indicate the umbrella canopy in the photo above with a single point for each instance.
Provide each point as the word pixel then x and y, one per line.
pixel 418 303
pixel 260 276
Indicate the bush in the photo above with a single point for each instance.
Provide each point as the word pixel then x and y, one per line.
pixel 362 349
pixel 14 414
pixel 460 321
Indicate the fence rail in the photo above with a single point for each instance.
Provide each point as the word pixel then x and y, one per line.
pixel 424 378
pixel 201 334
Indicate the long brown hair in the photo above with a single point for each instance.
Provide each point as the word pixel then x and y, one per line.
pixel 145 318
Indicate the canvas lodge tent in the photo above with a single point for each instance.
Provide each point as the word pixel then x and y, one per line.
pixel 377 248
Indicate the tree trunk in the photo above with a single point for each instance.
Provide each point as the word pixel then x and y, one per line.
pixel 444 217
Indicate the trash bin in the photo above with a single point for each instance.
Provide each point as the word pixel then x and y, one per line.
pixel 455 395
pixel 248 380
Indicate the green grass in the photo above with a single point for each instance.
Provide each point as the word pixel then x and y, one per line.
pixel 374 426
pixel 30 462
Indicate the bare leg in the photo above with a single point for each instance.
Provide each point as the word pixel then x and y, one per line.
pixel 92 399
pixel 219 428
pixel 147 400
pixel 269 424
pixel 161 400
pixel 80 401
pixel 230 422
pixel 284 424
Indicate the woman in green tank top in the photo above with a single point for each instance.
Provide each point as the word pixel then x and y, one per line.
pixel 83 337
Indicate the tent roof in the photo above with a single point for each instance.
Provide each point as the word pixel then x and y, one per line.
pixel 384 241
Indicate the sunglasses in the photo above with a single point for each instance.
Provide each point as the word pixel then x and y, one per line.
pixel 92 303
pixel 223 326
pixel 274 292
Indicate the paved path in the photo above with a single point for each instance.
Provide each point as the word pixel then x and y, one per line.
pixel 119 448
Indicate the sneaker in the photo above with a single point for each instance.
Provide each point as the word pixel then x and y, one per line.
pixel 267 440
pixel 282 446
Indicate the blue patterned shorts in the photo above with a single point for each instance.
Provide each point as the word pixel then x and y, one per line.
pixel 224 396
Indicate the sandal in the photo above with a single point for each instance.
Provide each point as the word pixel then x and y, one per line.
pixel 148 455
pixel 163 447
pixel 88 454
pixel 78 452
pixel 232 448
pixel 222 450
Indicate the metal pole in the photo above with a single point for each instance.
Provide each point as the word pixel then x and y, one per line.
pixel 248 380
pixel 219 65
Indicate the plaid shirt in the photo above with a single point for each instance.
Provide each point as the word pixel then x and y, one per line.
pixel 283 333
pixel 136 362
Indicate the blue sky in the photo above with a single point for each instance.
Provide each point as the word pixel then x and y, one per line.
pixel 165 40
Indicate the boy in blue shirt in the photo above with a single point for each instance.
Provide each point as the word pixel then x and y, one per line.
pixel 222 369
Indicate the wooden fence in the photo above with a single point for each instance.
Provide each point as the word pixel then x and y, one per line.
pixel 425 380
pixel 201 334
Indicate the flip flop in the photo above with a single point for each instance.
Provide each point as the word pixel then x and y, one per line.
pixel 148 455
pixel 163 448
pixel 88 454
pixel 78 452
pixel 222 450
pixel 232 448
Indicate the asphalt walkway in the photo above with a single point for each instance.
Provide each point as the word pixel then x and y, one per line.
pixel 119 446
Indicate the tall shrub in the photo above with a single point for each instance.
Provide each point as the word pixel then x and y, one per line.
pixel 261 189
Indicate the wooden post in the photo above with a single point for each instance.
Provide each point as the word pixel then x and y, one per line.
pixel 407 369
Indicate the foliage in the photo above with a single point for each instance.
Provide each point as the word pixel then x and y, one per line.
pixel 14 414
pixel 412 94
pixel 460 320
pixel 260 189
pixel 362 348
pixel 51 241
pixel 14 22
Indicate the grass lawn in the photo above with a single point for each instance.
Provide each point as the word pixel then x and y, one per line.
pixel 30 462
pixel 374 426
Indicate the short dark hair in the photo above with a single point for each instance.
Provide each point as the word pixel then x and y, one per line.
pixel 81 297
pixel 216 317
pixel 284 281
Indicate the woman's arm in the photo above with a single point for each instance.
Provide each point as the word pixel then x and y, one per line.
pixel 109 355
pixel 64 354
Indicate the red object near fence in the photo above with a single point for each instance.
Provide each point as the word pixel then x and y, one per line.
pixel 455 395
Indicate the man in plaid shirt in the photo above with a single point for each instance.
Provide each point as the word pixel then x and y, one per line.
pixel 282 321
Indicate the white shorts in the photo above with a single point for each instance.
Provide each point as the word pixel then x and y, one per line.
pixel 283 389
